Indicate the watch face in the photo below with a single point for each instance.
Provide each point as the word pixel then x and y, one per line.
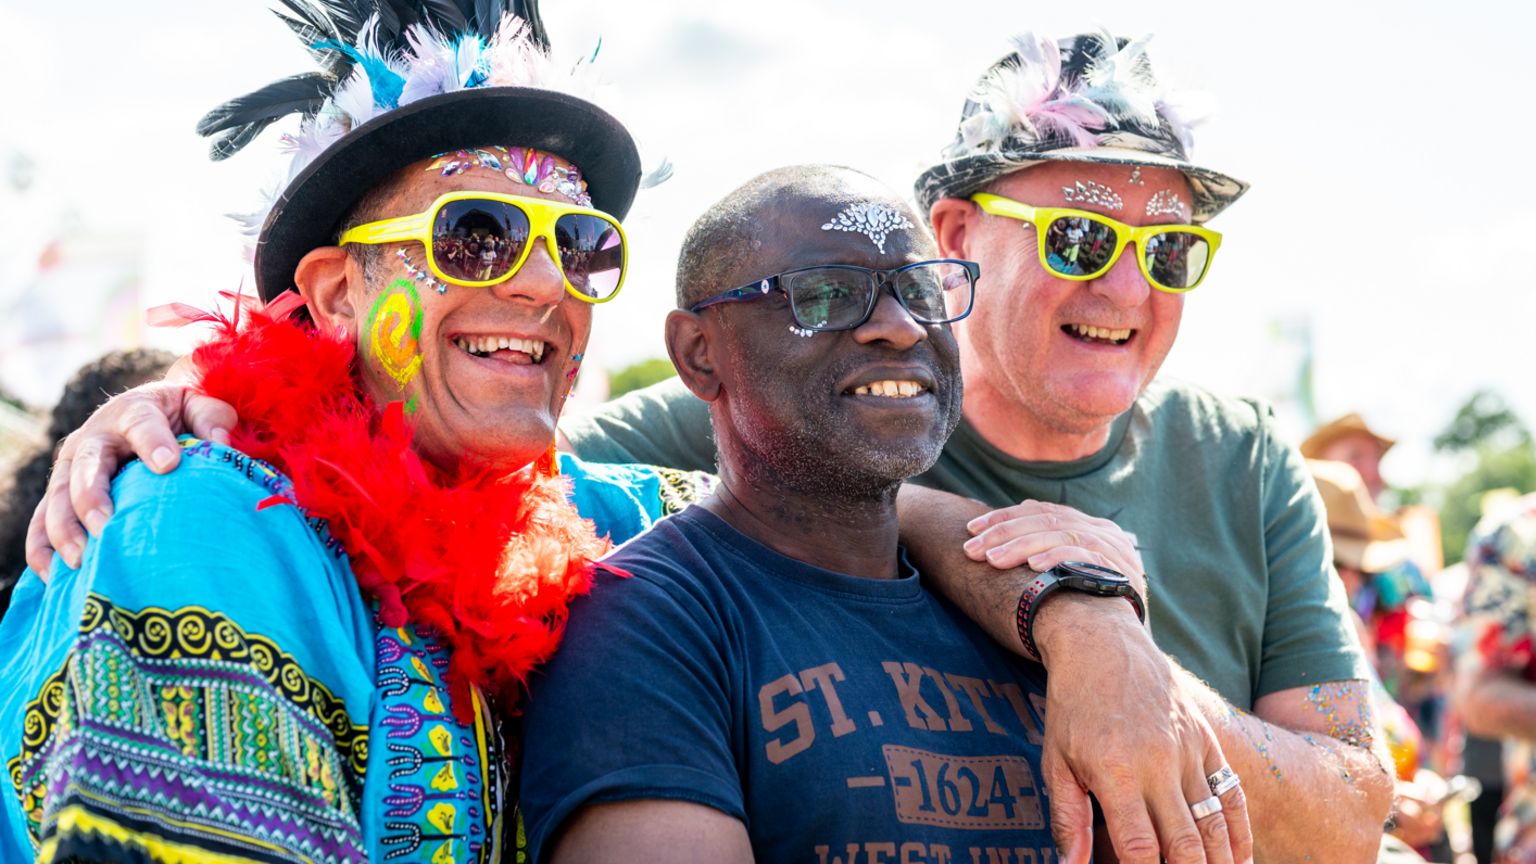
pixel 1094 573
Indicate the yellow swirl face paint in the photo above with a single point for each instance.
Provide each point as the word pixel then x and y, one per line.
pixel 394 331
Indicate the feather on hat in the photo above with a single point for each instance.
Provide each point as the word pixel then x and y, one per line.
pixel 1086 98
pixel 403 80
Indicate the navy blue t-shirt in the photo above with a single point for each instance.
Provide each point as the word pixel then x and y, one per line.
pixel 841 719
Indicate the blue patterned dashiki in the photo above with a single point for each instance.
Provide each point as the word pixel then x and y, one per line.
pixel 211 685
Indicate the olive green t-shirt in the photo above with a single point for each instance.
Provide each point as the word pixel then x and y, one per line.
pixel 1229 523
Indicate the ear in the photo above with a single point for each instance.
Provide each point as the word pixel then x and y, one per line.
pixel 324 278
pixel 689 347
pixel 953 221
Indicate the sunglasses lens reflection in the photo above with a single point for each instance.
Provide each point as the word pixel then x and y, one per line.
pixel 1177 259
pixel 1079 246
pixel 477 241
pixel 828 298
pixel 591 254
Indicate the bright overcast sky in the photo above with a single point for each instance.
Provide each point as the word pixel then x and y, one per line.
pixel 1389 208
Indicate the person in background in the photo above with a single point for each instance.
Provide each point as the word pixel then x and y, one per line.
pixel 1366 544
pixel 86 390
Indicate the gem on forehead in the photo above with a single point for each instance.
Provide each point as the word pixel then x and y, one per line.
pixel 1136 177
pixel 870 218
pixel 1167 203
pixel 1093 193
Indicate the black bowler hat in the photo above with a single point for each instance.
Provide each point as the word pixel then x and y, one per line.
pixel 405 80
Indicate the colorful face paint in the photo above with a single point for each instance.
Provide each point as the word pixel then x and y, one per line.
pixel 570 377
pixel 872 219
pixel 1136 177
pixel 394 331
pixel 801 332
pixel 418 274
pixel 1090 192
pixel 544 171
pixel 1166 203
pixel 1347 706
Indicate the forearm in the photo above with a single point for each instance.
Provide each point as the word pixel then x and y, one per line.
pixel 1311 796
pixel 1497 705
pixel 933 531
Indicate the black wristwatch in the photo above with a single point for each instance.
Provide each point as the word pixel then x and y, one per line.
pixel 1073 576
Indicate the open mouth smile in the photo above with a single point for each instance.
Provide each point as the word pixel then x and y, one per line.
pixel 508 348
pixel 1098 335
pixel 891 389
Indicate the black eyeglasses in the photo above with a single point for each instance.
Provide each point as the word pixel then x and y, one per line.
pixel 843 296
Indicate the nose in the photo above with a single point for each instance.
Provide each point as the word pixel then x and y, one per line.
pixel 539 281
pixel 1123 285
pixel 890 323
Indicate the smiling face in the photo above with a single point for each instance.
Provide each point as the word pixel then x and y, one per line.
pixel 842 414
pixel 1051 361
pixel 483 371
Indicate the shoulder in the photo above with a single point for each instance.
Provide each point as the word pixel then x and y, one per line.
pixel 1171 402
pixel 624 499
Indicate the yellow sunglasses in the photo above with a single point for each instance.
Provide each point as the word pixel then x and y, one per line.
pixel 483 238
pixel 1079 245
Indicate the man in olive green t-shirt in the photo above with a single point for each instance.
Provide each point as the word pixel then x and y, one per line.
pixel 1076 309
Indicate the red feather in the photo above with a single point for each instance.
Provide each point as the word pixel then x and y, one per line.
pixel 487 560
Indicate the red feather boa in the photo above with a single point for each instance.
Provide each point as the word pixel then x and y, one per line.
pixel 489 561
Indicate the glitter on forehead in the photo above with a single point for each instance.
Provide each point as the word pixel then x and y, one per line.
pixel 544 171
pixel 1090 192
pixel 1167 203
pixel 872 219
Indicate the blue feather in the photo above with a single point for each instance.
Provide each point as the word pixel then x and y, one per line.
pixel 385 82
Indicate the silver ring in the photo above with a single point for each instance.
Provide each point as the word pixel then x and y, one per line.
pixel 1223 781
pixel 1209 807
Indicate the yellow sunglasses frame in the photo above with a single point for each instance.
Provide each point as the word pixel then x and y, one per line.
pixel 1125 235
pixel 542 215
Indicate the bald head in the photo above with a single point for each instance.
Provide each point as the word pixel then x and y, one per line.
pixel 729 245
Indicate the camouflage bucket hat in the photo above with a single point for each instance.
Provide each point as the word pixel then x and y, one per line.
pixel 1085 98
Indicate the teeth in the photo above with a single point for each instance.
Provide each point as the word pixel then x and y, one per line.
pixel 483 345
pixel 1102 333
pixel 890 389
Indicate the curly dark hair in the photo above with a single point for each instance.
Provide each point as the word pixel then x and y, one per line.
pixel 87 389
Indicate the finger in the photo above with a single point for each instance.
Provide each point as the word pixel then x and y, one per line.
pixel 1234 807
pixel 1015 552
pixel 65 533
pixel 88 483
pixel 39 550
pixel 1050 528
pixel 147 431
pixel 1024 508
pixel 1071 810
pixel 1130 825
pixel 208 418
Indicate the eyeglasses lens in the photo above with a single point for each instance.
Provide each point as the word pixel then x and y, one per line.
pixel 1177 259
pixel 476 240
pixel 1079 246
pixel 930 291
pixel 591 254
pixel 829 298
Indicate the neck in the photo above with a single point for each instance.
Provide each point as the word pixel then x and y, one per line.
pixel 856 536
pixel 1013 429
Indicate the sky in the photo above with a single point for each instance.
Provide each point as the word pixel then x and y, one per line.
pixel 1385 141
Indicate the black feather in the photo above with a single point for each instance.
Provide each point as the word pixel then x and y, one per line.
pixel 445 16
pixel 228 143
pixel 299 93
pixel 237 122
